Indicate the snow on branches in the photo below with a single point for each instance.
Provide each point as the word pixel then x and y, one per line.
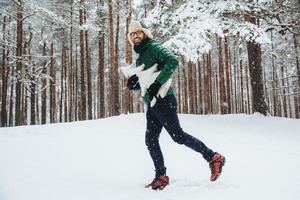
pixel 187 28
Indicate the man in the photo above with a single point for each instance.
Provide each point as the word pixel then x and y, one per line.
pixel 164 112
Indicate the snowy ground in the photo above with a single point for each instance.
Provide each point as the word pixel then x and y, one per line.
pixel 107 159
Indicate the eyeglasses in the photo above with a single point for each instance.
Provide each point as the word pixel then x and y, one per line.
pixel 139 32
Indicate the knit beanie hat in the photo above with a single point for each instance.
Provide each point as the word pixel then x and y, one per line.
pixel 138 26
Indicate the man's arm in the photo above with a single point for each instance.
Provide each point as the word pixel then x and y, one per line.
pixel 169 63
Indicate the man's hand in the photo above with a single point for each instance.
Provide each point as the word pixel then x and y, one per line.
pixel 133 83
pixel 153 90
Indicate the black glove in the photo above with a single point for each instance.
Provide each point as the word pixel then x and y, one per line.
pixel 133 83
pixel 153 89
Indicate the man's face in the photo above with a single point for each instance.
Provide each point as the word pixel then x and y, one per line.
pixel 137 37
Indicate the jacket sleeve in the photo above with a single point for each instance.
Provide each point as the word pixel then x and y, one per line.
pixel 167 60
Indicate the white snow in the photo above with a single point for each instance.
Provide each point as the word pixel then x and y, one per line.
pixel 107 159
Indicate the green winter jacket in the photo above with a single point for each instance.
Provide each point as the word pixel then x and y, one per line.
pixel 150 52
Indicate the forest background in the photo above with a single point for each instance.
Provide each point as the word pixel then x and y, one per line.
pixel 60 60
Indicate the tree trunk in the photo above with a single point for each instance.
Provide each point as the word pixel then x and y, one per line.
pixel 61 102
pixel 184 87
pixel 190 88
pixel 89 74
pixel 82 109
pixel 222 99
pixel 65 83
pixel 11 99
pixel 32 86
pixel 248 89
pixel 242 87
pixel 77 90
pixel 18 112
pixel 71 72
pixel 116 64
pixel 128 54
pixel 210 83
pixel 23 105
pixel 111 60
pixel 52 87
pixel 101 97
pixel 179 92
pixel 235 76
pixel 4 79
pixel 200 89
pixel 254 58
pixel 44 85
pixel 297 95
pixel 288 96
pixel 274 82
pixel 283 86
pixel 228 74
pixel 195 88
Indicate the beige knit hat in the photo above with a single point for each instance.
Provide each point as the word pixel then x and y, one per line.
pixel 136 26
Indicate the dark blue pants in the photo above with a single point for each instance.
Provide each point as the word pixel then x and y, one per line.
pixel 164 114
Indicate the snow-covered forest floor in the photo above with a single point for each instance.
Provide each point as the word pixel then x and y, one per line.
pixel 107 159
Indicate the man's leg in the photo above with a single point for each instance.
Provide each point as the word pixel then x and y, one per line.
pixel 166 111
pixel 153 131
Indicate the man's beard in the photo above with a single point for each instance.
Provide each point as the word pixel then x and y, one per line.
pixel 142 39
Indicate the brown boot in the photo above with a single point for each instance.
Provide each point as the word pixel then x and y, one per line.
pixel 216 165
pixel 159 183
